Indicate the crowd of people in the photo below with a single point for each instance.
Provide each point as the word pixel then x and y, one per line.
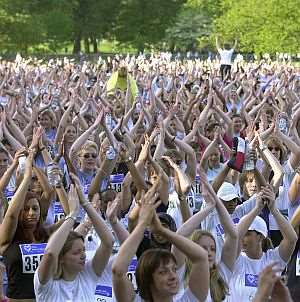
pixel 149 179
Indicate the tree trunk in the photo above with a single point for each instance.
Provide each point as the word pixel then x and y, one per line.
pixel 77 45
pixel 95 45
pixel 87 45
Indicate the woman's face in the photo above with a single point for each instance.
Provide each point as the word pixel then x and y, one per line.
pixel 3 162
pixel 209 245
pixel 45 121
pixel 165 280
pixel 214 158
pixel 275 149
pixel 250 241
pixel 88 159
pixel 237 124
pixel 74 259
pixel 35 185
pixel 250 185
pixel 30 215
pixel 172 127
pixel 118 109
pixel 70 134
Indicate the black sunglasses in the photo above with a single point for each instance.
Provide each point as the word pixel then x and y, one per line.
pixel 90 155
pixel 274 148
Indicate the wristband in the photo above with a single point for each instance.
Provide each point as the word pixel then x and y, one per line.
pixel 43 148
pixel 85 204
pixel 71 216
pixel 173 139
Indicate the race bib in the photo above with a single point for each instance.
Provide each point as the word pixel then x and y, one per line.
pixel 194 195
pixel 131 272
pixel 116 182
pixel 31 256
pixel 251 280
pixel 58 212
pixel 103 293
pixel 298 264
pixel 9 194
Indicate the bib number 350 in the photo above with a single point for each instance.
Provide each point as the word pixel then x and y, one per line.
pixel 31 256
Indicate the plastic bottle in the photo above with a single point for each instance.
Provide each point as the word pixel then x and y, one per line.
pixel 249 164
pixel 53 178
pixel 108 121
pixel 22 161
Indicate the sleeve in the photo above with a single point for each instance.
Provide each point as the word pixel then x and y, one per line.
pixel 246 207
pixel 41 289
pixel 273 255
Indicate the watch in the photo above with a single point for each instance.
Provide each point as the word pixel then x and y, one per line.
pixel 128 159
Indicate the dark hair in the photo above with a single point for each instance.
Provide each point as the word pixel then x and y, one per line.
pixel 40 233
pixel 148 263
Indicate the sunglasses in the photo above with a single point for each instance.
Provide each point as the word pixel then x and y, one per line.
pixel 274 148
pixel 90 155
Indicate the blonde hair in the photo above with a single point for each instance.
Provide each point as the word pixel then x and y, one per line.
pixel 88 145
pixel 51 115
pixel 218 287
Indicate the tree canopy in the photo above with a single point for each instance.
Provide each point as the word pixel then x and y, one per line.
pixel 51 25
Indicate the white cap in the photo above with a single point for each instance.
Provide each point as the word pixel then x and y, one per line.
pixel 259 225
pixel 227 192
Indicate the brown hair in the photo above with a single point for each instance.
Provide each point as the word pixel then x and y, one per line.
pixel 67 246
pixel 148 263
pixel 274 140
pixel 244 176
pixel 39 233
pixel 218 287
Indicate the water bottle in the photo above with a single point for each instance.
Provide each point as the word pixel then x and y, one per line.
pixel 111 153
pixel 249 164
pixel 108 121
pixel 22 161
pixel 53 178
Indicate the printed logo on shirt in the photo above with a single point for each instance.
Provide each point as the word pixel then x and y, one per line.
pixel 220 230
pixel 31 256
pixel 251 280
pixel 103 293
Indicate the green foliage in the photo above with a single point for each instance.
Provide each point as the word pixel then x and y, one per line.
pixel 193 25
pixel 142 23
pixel 261 26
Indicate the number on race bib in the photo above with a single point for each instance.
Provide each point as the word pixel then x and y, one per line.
pixel 32 255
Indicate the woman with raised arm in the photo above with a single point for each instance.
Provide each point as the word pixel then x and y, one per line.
pixel 253 233
pixel 64 274
pixel 220 273
pixel 22 238
pixel 156 274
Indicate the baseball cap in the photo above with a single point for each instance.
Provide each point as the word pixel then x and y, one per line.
pixel 227 192
pixel 259 225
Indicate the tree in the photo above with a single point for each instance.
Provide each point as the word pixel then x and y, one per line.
pixel 262 26
pixel 143 23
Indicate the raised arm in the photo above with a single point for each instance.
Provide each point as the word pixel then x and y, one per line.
pixel 195 253
pixel 48 265
pixel 123 288
pixel 10 221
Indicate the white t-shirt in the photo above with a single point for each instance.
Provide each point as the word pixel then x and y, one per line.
pixel 244 281
pixel 188 296
pixel 225 56
pixel 212 222
pixel 82 289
